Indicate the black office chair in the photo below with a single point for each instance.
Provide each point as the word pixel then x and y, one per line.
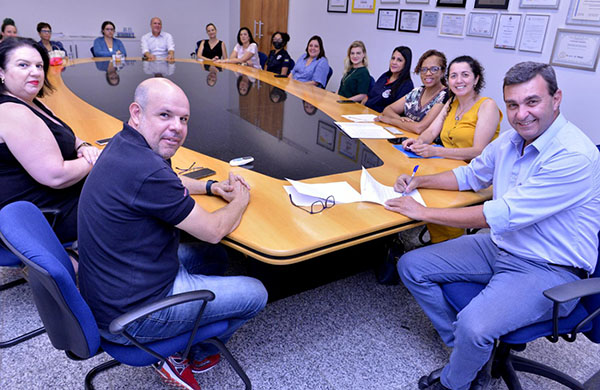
pixel 69 321
pixel 329 74
pixel 262 57
pixel 585 319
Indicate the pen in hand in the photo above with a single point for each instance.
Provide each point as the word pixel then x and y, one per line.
pixel 410 179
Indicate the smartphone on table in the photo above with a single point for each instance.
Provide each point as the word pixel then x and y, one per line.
pixel 199 173
pixel 397 141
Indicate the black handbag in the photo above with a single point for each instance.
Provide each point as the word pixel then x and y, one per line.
pixel 386 272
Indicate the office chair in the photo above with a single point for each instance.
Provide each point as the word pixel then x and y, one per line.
pixel 92 51
pixel 329 74
pixel 371 82
pixel 67 317
pixel 585 318
pixel 262 58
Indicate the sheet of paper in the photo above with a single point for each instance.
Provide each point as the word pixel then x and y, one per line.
pixel 300 199
pixel 373 191
pixel 342 191
pixel 410 154
pixel 364 130
pixel 360 117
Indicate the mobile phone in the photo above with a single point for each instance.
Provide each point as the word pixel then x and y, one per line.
pixel 103 141
pixel 345 101
pixel 199 173
pixel 397 141
pixel 281 76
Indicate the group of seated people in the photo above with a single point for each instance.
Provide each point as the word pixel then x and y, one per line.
pixel 43 161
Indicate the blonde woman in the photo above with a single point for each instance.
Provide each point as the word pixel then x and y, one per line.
pixel 356 80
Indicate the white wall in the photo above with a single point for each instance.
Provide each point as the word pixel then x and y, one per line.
pixel 185 19
pixel 308 17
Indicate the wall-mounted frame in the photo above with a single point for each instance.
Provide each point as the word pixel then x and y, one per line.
pixel 390 1
pixel 340 6
pixel 430 19
pixel 452 25
pixel 410 20
pixel 451 3
pixel 417 1
pixel 533 35
pixel 482 24
pixel 508 31
pixel 547 4
pixel 363 6
pixel 584 13
pixel 326 135
pixel 576 49
pixel 495 4
pixel 348 147
pixel 387 19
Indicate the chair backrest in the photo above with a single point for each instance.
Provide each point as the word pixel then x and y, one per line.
pixel 92 51
pixel 592 303
pixel 329 74
pixel 262 58
pixel 291 66
pixel 66 316
pixel 371 82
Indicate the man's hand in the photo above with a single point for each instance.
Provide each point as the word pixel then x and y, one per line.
pixel 407 206
pixel 402 184
pixel 226 189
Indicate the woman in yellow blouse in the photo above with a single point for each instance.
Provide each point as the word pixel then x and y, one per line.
pixel 466 124
pixel 468 121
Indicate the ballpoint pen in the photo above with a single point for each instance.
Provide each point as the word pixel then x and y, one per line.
pixel 410 179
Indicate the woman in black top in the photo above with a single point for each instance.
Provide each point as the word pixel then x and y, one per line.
pixel 279 60
pixel 211 48
pixel 41 159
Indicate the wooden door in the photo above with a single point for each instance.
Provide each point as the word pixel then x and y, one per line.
pixel 263 18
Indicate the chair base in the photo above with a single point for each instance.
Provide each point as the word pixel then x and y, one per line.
pixel 506 366
pixel 13 283
pixel 23 337
pixel 214 341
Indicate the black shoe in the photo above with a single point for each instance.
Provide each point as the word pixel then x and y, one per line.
pixel 437 385
pixel 430 379
pixel 483 378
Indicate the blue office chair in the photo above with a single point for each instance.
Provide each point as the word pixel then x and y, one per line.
pixel 92 51
pixel 291 66
pixel 329 74
pixel 585 319
pixel 371 82
pixel 68 319
pixel 262 58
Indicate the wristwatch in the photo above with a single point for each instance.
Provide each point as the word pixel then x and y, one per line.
pixel 209 184
pixel 82 145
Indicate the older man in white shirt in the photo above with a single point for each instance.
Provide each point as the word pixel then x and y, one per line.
pixel 157 43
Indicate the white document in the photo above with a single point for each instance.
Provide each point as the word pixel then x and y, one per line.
pixel 373 191
pixel 364 130
pixel 305 194
pixel 360 117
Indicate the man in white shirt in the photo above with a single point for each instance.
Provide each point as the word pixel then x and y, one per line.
pixel 157 43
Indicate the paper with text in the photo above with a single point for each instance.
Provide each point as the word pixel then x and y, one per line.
pixel 364 130
pixel 360 117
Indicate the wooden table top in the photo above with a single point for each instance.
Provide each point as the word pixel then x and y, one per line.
pixel 272 230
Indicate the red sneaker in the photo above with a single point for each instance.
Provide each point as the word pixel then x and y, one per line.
pixel 199 366
pixel 178 373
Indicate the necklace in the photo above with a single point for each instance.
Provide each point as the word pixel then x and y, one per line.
pixel 459 108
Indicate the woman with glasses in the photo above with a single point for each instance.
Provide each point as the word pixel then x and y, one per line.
pixel 415 111
pixel 107 45
pixel 279 60
pixel 45 32
pixel 467 124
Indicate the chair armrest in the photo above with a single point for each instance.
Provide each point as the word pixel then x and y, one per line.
pixel 573 290
pixel 50 214
pixel 119 324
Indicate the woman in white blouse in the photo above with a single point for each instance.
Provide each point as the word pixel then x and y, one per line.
pixel 246 50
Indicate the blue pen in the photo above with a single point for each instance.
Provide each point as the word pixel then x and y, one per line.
pixel 411 177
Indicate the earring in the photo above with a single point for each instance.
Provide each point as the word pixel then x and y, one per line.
pixel 1 80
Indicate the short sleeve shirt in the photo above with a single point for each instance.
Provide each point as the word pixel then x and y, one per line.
pixel 254 61
pixel 128 242
pixel 278 60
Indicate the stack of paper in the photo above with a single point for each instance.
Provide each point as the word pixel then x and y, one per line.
pixel 363 130
pixel 360 117
pixel 305 194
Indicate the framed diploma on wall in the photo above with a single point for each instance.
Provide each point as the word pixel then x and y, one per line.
pixel 410 20
pixel 337 6
pixel 576 49
pixel 496 4
pixel 451 3
pixel 534 33
pixel 363 6
pixel 452 25
pixel 548 4
pixel 508 31
pixel 387 19
pixel 584 13
pixel 482 24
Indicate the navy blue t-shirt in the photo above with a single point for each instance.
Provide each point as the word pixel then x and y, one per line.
pixel 128 242
pixel 380 96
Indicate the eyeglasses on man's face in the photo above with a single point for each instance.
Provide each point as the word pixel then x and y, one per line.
pixel 317 206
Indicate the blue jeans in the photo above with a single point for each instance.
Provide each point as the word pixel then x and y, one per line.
pixel 512 298
pixel 237 299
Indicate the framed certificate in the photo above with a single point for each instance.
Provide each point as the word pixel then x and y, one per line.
pixel 497 4
pixel 387 19
pixel 481 24
pixel 410 20
pixel 452 25
pixel 337 6
pixel 584 13
pixel 534 33
pixel 389 1
pixel 363 6
pixel 430 18
pixel 548 4
pixel 451 3
pixel 508 31
pixel 576 49
pixel 417 1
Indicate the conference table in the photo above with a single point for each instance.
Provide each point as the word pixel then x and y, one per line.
pixel 287 126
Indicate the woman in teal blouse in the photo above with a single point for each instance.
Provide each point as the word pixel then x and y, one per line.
pixel 356 80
